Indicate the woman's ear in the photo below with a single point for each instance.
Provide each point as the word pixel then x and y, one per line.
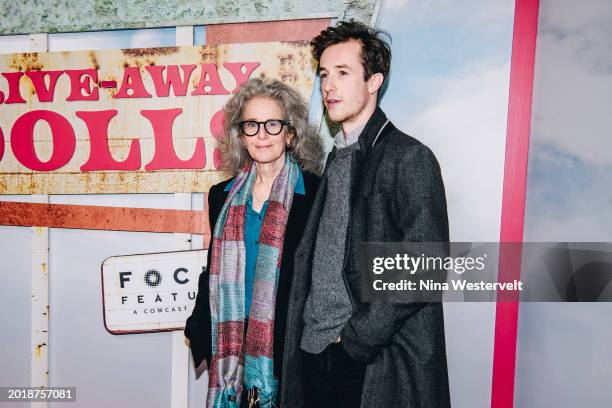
pixel 290 136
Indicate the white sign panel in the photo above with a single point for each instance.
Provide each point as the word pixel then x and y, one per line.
pixel 150 292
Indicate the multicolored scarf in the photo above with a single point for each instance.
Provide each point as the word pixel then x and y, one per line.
pixel 240 362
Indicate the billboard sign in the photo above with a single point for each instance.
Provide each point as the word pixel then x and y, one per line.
pixel 150 292
pixel 128 120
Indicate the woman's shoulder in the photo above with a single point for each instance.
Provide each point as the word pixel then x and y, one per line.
pixel 222 187
pixel 216 197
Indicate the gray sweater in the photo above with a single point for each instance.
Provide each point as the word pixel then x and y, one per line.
pixel 328 306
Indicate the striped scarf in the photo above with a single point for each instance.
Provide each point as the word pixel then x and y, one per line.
pixel 237 361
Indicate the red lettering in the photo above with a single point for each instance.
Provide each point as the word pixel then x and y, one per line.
pixel 81 80
pixel 1 96
pixel 235 68
pixel 100 157
pixel 22 140
pixel 173 79
pixel 216 124
pixel 217 159
pixel 40 86
pixel 1 144
pixel 210 83
pixel 14 91
pixel 165 156
pixel 132 81
pixel 216 129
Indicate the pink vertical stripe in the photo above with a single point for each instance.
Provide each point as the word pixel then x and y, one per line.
pixel 513 202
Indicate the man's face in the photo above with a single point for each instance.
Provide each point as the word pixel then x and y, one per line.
pixel 347 96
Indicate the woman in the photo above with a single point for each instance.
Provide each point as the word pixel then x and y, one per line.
pixel 257 219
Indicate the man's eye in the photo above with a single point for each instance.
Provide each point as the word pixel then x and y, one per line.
pixel 343 73
pixel 323 76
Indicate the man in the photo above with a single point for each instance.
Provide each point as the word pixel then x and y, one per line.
pixel 379 185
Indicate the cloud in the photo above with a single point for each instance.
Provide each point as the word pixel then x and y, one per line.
pixel 562 352
pixel 99 40
pixel 458 16
pixel 563 15
pixel 394 5
pixel 572 96
pixel 158 37
pixel 568 199
pixel 570 165
pixel 465 126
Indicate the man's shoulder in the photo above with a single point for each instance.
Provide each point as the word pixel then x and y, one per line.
pixel 400 148
pixel 380 130
pixel 399 143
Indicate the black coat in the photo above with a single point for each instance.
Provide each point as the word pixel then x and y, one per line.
pixel 198 329
pixel 397 194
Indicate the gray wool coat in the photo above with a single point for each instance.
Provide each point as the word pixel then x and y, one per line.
pixel 397 195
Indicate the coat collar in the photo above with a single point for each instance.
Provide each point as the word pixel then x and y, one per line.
pixel 372 130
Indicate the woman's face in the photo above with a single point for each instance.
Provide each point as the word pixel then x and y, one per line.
pixel 264 147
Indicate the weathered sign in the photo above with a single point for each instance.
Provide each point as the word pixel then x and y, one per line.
pixel 128 121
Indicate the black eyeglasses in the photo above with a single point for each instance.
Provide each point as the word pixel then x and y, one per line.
pixel 273 126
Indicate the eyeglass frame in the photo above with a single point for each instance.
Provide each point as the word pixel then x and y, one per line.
pixel 281 121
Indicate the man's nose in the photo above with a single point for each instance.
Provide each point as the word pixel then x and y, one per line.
pixel 328 85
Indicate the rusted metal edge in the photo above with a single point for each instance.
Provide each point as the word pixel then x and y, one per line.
pixel 20 18
pixel 103 218
pixel 264 31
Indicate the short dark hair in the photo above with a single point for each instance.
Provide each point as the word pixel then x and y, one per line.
pixel 375 50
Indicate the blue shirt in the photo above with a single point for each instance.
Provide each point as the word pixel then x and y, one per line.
pixel 252 228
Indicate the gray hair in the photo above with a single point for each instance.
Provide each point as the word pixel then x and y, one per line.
pixel 305 146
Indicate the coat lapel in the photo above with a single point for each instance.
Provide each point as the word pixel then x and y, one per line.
pixel 312 225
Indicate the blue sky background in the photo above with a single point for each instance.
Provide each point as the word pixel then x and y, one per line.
pixel 439 40
pixel 564 348
pixel 570 168
pixel 449 88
